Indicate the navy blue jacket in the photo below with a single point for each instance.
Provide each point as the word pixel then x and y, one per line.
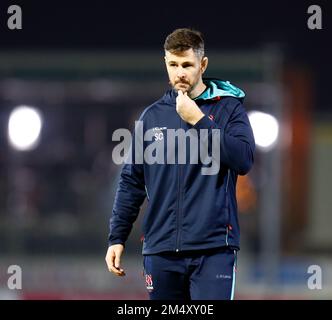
pixel 188 210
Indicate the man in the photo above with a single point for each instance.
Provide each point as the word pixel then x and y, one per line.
pixel 191 229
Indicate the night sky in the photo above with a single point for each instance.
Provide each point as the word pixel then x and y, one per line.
pixel 89 25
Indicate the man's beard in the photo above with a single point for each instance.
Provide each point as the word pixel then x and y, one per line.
pixel 188 89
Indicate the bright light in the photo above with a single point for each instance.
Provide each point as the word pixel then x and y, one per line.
pixel 265 128
pixel 24 128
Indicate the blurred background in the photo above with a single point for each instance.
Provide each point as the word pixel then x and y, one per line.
pixel 77 72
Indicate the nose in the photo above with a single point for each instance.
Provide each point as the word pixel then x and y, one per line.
pixel 181 73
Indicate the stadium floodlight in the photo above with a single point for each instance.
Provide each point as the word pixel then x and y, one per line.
pixel 24 128
pixel 265 128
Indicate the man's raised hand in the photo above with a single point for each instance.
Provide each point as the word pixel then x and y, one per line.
pixel 187 108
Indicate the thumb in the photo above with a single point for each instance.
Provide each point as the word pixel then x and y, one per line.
pixel 180 93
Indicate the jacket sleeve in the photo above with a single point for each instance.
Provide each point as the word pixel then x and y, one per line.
pixel 129 197
pixel 237 142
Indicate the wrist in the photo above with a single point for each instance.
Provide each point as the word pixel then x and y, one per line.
pixel 196 118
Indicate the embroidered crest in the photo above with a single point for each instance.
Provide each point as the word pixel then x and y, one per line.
pixel 148 281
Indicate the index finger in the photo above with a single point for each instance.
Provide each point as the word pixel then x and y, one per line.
pixel 117 271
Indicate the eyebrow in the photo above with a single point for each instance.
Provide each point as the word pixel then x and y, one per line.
pixel 184 62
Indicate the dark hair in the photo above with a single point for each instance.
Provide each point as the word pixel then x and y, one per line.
pixel 183 39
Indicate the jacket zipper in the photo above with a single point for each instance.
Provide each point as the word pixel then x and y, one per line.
pixel 178 224
pixel 177 249
pixel 227 182
pixel 228 226
pixel 147 193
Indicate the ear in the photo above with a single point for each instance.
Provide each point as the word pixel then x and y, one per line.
pixel 204 64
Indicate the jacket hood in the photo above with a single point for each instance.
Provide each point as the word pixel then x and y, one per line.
pixel 215 88
pixel 219 88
